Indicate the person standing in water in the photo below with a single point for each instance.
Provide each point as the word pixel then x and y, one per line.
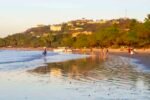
pixel 45 51
pixel 107 53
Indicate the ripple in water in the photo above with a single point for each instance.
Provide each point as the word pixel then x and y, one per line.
pixel 84 79
pixel 19 60
pixel 115 78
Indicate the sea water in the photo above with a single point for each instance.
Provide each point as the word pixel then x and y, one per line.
pixel 16 59
pixel 27 75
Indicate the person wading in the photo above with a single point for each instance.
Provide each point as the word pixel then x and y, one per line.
pixel 45 51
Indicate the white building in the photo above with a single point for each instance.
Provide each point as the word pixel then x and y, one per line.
pixel 55 27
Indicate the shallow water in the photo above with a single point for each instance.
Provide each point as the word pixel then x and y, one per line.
pixel 91 78
pixel 19 60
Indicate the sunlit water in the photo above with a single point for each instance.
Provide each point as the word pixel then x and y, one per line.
pixel 27 75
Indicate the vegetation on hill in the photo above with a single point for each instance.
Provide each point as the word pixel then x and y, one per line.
pixel 85 33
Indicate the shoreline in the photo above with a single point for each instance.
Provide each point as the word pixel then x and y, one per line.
pixel 81 50
pixel 113 49
pixel 142 55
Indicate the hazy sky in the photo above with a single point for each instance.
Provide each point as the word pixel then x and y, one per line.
pixel 18 15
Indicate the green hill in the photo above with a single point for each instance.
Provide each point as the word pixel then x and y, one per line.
pixel 84 33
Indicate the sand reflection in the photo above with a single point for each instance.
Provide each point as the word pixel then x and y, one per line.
pixel 83 79
pixel 116 69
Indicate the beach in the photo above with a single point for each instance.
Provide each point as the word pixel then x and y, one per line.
pixel 26 75
pixel 142 57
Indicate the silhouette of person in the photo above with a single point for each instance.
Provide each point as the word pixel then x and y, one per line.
pixel 45 51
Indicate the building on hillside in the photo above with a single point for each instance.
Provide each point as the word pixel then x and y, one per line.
pixel 70 24
pixel 91 22
pixel 115 22
pixel 101 21
pixel 82 21
pixel 55 27
pixel 97 22
pixel 78 33
pixel 76 29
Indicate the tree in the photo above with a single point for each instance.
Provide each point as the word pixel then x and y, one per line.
pixel 148 18
pixel 2 42
pixel 68 41
pixel 48 39
pixel 81 41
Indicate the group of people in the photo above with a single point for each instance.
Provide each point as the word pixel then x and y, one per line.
pixel 103 53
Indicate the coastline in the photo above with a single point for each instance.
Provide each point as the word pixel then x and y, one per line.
pixel 142 55
pixel 81 50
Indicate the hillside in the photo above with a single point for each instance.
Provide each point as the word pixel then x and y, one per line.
pixel 84 33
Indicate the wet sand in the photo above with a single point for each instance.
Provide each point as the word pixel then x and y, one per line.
pixel 142 57
pixel 88 78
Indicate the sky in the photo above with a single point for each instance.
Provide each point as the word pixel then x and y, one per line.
pixel 18 15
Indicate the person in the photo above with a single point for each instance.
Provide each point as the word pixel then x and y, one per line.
pixel 129 50
pixel 45 51
pixel 107 53
pixel 92 52
pixel 102 53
